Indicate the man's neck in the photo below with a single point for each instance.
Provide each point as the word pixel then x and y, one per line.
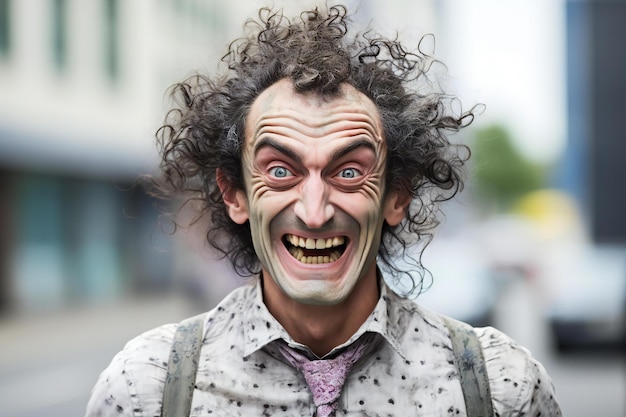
pixel 324 327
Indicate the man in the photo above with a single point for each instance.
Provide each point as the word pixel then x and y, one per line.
pixel 319 158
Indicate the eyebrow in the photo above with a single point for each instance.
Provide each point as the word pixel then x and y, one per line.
pixel 265 141
pixel 352 146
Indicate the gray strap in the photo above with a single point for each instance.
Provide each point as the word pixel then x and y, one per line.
pixel 181 372
pixel 472 370
pixel 183 363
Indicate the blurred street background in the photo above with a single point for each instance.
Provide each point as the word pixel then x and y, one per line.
pixel 535 245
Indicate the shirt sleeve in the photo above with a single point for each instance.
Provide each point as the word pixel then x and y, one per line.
pixel 520 385
pixel 132 384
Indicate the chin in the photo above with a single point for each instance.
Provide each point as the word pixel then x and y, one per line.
pixel 319 293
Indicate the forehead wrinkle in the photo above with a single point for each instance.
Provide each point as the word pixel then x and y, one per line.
pixel 296 126
pixel 311 114
pixel 290 140
pixel 331 114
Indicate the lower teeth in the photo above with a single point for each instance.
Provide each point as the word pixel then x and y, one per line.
pixel 299 255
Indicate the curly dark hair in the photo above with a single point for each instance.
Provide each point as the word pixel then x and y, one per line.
pixel 203 130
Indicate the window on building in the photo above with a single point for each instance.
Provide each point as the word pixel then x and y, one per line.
pixel 38 268
pixel 74 239
pixel 111 39
pixel 5 28
pixel 59 34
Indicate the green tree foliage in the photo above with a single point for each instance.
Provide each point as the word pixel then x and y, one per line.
pixel 501 174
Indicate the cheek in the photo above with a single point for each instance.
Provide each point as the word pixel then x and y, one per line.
pixel 265 205
pixel 360 206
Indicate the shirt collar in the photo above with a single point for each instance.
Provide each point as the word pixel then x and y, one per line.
pixel 382 321
pixel 261 328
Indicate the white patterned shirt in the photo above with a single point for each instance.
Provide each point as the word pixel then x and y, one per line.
pixel 410 373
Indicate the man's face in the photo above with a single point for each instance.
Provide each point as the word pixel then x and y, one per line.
pixel 314 187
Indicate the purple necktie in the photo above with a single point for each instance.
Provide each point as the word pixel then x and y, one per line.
pixel 326 377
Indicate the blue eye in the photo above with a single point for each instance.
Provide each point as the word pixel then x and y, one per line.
pixel 348 173
pixel 280 172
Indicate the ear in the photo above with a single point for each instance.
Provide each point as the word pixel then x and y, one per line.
pixel 396 204
pixel 234 198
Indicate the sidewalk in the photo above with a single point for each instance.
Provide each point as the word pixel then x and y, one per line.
pixel 50 362
pixel 83 328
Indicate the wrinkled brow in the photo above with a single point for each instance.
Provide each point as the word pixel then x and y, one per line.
pixel 297 157
pixel 352 146
pixel 263 142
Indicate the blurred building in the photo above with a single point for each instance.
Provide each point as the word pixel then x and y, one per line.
pixel 594 170
pixel 81 94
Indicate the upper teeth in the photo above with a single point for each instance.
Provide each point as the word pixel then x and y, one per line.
pixel 309 243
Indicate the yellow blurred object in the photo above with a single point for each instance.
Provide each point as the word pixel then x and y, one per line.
pixel 553 212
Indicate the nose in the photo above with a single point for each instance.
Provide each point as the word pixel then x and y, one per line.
pixel 313 207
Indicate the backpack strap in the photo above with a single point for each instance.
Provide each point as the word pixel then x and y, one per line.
pixel 183 363
pixel 472 370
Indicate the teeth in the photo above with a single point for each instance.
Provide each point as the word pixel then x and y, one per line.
pixel 298 253
pixel 299 244
pixel 310 243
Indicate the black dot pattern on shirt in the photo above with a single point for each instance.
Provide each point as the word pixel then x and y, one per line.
pixel 410 373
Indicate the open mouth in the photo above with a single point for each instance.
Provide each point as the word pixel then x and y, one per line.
pixel 315 251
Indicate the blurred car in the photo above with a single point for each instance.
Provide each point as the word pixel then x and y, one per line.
pixel 587 307
pixel 584 283
pixel 462 284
